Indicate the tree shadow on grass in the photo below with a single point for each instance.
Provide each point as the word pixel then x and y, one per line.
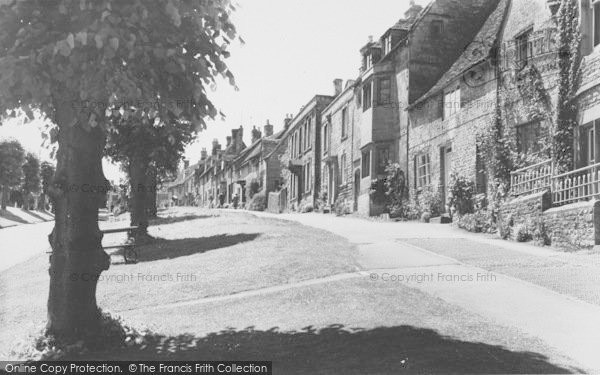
pixel 177 219
pixel 169 249
pixel 34 214
pixel 335 350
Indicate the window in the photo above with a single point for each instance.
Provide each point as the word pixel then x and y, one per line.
pixel 344 122
pixel 596 23
pixel 325 138
pixel 309 133
pixel 524 48
pixel 307 175
pixel 366 164
pixel 387 44
pixel 385 91
pixel 343 168
pixel 437 27
pixel 300 141
pixel 422 166
pixel 383 158
pixel 451 102
pixel 369 61
pixel 528 137
pixel 367 96
pixel 591 148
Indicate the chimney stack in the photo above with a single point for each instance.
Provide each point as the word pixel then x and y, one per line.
pixel 228 140
pixel 215 146
pixel 413 11
pixel 337 86
pixel 370 38
pixel 239 139
pixel 203 154
pixel 268 129
pixel 287 121
pixel 256 134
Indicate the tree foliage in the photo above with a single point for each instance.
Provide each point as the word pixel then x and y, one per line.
pixel 31 175
pixel 80 62
pixel 12 157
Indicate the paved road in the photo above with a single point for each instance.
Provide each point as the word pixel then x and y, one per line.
pixel 22 242
pixel 551 295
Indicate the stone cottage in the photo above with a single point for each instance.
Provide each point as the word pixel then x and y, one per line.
pixel 446 121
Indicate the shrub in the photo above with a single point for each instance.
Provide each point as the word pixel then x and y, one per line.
pixel 254 188
pixel 477 222
pixel 430 200
pixel 323 200
pixel 395 191
pixel 460 195
pixel 426 217
pixel 308 208
pixel 522 233
pixel 258 202
pixel 539 233
pixel 504 228
pixel 341 208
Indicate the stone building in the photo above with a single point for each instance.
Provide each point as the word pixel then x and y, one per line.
pixel 587 151
pixel 399 68
pixel 302 155
pixel 446 121
pixel 337 148
pixel 214 177
pixel 259 165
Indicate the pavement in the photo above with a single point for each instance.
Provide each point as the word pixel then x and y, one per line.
pixel 422 256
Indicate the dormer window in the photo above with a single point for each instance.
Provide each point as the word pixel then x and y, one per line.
pixel 369 61
pixel 387 44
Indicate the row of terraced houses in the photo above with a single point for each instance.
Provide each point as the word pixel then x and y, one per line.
pixel 426 90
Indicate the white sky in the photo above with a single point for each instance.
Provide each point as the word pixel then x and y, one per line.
pixel 294 49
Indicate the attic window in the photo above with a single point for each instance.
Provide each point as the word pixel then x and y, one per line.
pixel 437 27
pixel 369 61
pixel 387 46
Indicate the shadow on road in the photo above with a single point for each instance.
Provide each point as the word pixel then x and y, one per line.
pixel 177 219
pixel 169 249
pixel 335 350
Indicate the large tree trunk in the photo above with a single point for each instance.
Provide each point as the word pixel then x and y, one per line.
pixel 3 197
pixel 41 203
pixel 152 193
pixel 77 256
pixel 139 193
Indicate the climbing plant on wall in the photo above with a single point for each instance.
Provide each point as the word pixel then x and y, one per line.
pixel 568 61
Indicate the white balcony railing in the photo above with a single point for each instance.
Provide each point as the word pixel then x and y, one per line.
pixel 531 179
pixel 575 186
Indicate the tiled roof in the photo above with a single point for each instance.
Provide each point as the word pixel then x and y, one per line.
pixel 477 51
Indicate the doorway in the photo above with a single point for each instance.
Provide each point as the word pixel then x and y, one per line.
pixel 356 188
pixel 446 171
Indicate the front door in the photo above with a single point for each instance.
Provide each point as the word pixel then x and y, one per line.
pixel 356 189
pixel 446 165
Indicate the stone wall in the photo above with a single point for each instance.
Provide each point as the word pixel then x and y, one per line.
pixel 525 208
pixel 571 227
